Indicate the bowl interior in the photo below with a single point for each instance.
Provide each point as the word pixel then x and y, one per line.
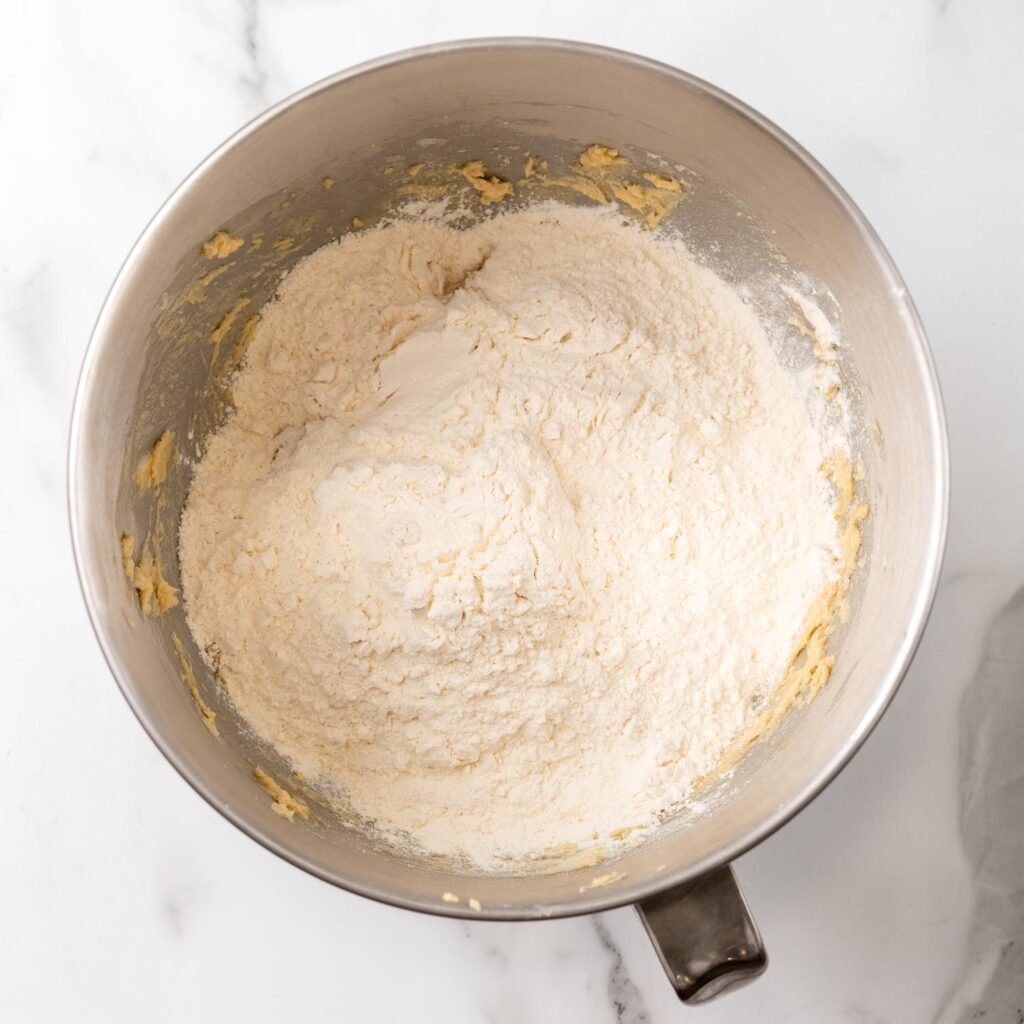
pixel 757 212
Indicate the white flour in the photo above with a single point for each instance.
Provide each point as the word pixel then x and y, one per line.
pixel 512 531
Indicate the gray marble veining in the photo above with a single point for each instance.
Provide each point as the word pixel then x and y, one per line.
pixel 256 79
pixel 992 823
pixel 626 1000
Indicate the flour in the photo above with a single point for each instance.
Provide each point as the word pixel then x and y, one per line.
pixel 512 531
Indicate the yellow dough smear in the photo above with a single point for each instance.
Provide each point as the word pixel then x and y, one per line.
pixel 284 803
pixel 152 470
pixel 226 322
pixel 490 187
pixel 207 713
pixel 155 594
pixel 810 664
pixel 598 157
pixel 222 245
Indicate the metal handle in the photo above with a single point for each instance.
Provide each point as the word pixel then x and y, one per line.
pixel 705 937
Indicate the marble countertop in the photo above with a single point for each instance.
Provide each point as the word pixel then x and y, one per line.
pixel 898 896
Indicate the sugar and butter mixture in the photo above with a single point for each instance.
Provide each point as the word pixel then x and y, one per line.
pixel 512 531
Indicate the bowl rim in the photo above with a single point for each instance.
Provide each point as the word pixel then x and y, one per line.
pixel 632 891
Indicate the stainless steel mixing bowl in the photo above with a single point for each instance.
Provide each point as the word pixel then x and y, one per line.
pixel 760 212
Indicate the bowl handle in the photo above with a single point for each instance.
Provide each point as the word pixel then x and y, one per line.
pixel 705 937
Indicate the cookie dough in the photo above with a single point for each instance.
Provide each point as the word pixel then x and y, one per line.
pixel 491 188
pixel 225 323
pixel 155 594
pixel 152 470
pixel 208 715
pixel 286 805
pixel 222 245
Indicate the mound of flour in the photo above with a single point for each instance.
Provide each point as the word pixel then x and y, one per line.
pixel 512 531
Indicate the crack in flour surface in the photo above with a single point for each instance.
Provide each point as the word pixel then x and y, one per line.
pixel 512 530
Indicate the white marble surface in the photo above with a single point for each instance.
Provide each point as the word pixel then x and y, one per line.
pixel 896 897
